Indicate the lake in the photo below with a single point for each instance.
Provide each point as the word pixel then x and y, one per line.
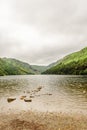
pixel 58 93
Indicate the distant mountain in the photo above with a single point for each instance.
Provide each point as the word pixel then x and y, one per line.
pixel 39 69
pixel 75 64
pixel 10 66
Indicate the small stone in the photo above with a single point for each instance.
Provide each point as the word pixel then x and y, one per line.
pixel 27 100
pixel 22 97
pixel 39 88
pixel 84 92
pixel 28 91
pixel 49 94
pixel 24 91
pixel 31 96
pixel 11 99
pixel 36 91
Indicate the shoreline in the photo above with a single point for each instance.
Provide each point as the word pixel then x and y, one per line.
pixel 35 120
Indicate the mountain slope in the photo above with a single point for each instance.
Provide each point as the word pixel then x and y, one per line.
pixel 10 66
pixel 75 63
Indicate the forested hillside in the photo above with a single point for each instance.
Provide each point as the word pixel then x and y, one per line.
pixel 10 66
pixel 75 64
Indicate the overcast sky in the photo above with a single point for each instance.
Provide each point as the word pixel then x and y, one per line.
pixel 42 31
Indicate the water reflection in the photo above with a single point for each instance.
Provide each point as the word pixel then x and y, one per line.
pixel 68 92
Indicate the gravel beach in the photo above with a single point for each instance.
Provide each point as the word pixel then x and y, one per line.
pixel 33 120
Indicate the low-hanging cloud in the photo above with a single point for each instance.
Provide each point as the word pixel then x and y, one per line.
pixel 40 32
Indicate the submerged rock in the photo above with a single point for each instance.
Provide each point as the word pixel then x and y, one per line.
pixel 28 91
pixel 39 88
pixel 49 94
pixel 84 91
pixel 31 96
pixel 11 99
pixel 27 100
pixel 35 91
pixel 22 97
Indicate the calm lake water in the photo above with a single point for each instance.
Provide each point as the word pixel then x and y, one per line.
pixel 58 93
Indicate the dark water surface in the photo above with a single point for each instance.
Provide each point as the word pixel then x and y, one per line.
pixel 58 93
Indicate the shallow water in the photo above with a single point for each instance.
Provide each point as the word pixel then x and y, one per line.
pixel 58 93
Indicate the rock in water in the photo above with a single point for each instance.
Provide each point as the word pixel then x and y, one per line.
pixel 84 92
pixel 22 97
pixel 39 88
pixel 31 96
pixel 11 99
pixel 27 100
pixel 49 94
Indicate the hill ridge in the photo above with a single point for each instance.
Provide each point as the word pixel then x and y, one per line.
pixel 74 63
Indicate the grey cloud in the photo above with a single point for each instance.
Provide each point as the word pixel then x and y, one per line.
pixel 61 28
pixel 54 15
pixel 49 54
